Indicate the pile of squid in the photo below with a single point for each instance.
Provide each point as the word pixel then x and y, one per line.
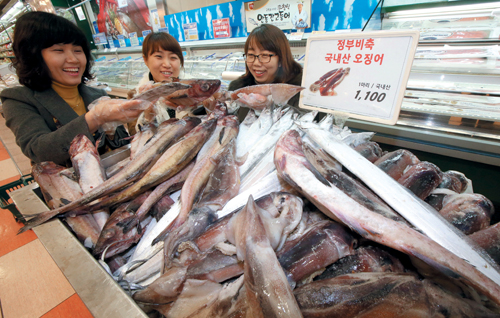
pixel 210 217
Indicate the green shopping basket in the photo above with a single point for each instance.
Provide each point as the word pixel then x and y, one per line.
pixel 5 200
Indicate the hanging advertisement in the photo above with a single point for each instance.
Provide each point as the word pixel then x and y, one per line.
pixel 155 19
pixel 222 28
pixel 286 15
pixel 122 18
pixel 234 11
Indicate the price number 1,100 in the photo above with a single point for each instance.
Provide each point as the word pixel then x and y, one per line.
pixel 372 96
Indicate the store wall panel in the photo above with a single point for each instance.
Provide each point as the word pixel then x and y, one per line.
pixel 234 10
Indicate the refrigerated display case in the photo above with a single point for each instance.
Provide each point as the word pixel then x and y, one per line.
pixel 203 59
pixel 451 111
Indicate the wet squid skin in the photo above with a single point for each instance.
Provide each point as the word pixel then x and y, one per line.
pixel 454 180
pixel 267 289
pixel 294 168
pixel 364 295
pixel 370 150
pixel 200 257
pixel 395 163
pixel 421 179
pixel 364 259
pixel 469 212
pixel 489 240
pixel 113 235
pixel 444 304
pixel 323 244
pixel 326 166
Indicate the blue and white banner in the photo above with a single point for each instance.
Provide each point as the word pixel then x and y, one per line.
pixel 235 11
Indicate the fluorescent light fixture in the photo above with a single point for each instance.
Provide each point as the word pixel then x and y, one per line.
pixel 460 9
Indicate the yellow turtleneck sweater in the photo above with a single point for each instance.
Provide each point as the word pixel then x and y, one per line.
pixel 71 96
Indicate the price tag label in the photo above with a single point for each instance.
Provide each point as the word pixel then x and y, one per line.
pixel 361 74
pixel 165 29
pixel 79 13
pixel 110 42
pixel 190 31
pixel 121 40
pixel 145 33
pixel 296 36
pixel 122 3
pixel 100 38
pixel 134 41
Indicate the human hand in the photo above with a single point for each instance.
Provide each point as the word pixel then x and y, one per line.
pixel 149 85
pixel 106 110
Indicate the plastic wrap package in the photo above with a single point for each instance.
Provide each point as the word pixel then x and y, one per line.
pixel 111 113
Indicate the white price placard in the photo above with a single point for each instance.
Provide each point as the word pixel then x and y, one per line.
pixel 134 41
pixel 122 3
pixel 79 13
pixel 361 74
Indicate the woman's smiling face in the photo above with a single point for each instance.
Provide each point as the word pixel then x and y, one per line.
pixel 163 65
pixel 263 73
pixel 66 63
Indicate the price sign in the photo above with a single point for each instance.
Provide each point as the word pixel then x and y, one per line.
pixel 121 40
pixel 134 41
pixel 145 33
pixel 100 38
pixel 362 74
pixel 222 28
pixel 190 31
pixel 110 42
pixel 165 29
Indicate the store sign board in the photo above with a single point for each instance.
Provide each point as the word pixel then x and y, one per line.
pixel 134 41
pixel 122 3
pixel 155 20
pixel 100 38
pixel 80 14
pixel 121 40
pixel 286 15
pixel 110 42
pixel 190 31
pixel 361 74
pixel 222 28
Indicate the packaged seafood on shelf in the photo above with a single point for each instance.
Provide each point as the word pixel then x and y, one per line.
pixel 202 219
pixel 124 74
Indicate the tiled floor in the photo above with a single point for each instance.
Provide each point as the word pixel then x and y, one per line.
pixel 31 284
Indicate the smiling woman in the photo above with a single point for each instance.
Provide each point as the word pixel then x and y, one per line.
pixel 269 60
pixel 53 62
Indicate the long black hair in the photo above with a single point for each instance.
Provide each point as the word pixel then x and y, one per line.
pixel 35 31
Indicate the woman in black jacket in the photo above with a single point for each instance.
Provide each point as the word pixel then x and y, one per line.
pixel 269 60
pixel 53 62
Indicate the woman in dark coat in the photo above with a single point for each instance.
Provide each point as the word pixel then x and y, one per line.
pixel 269 60
pixel 53 62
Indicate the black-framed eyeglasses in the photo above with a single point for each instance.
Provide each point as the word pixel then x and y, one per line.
pixel 263 58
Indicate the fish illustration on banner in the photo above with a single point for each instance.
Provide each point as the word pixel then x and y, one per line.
pixel 286 15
